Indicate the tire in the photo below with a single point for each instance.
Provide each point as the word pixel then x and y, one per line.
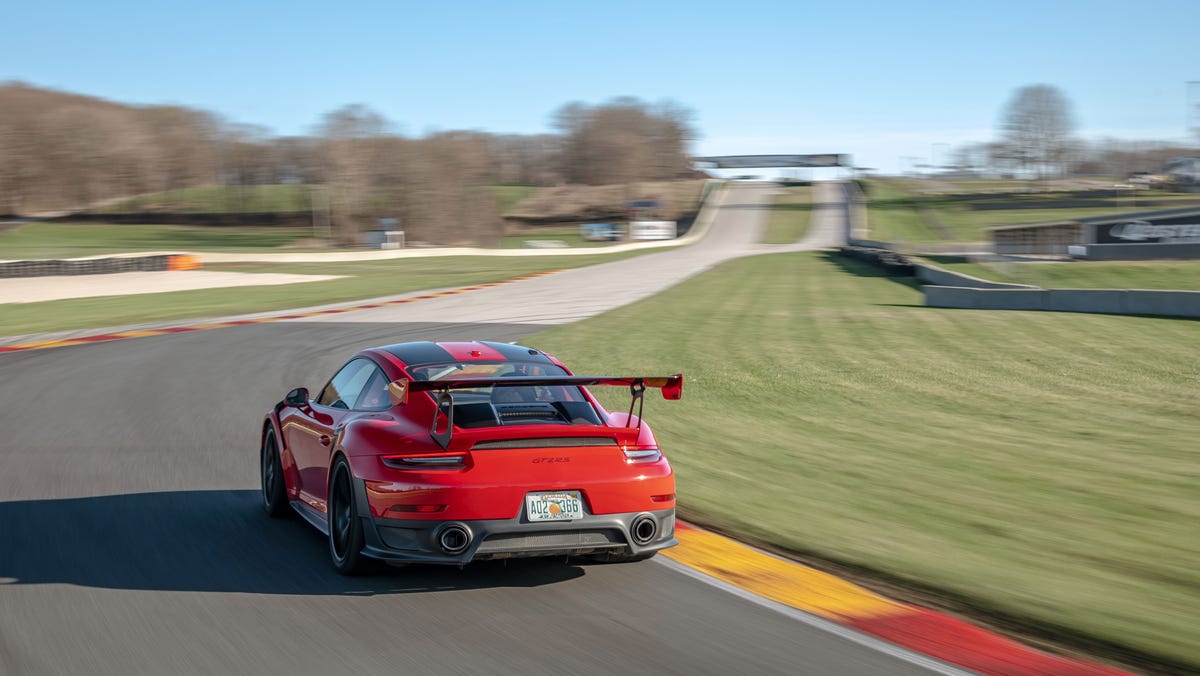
pixel 345 526
pixel 274 491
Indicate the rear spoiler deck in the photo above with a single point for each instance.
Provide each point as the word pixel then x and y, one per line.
pixel 398 390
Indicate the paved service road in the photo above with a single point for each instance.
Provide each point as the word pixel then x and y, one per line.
pixel 132 541
pixel 582 292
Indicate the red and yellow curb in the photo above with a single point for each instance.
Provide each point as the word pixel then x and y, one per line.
pixel 918 629
pixel 122 335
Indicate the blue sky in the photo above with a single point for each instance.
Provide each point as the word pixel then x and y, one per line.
pixel 878 80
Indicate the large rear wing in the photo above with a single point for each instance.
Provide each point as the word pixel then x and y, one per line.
pixel 398 390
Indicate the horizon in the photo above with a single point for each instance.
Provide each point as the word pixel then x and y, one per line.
pixel 782 79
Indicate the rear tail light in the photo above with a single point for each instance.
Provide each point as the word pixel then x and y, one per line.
pixel 642 454
pixel 419 509
pixel 439 461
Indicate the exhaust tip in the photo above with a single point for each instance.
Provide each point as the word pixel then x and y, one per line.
pixel 643 529
pixel 454 539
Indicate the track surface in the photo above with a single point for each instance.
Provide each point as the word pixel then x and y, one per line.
pixel 131 540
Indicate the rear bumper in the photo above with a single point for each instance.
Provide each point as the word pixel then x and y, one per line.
pixel 417 541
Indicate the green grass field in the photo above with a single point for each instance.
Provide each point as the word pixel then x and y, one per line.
pixel 895 214
pixel 510 195
pixel 1182 275
pixel 362 280
pixel 892 214
pixel 790 214
pixel 1040 467
pixel 220 199
pixel 72 240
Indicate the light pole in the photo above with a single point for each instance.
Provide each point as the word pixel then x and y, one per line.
pixel 1192 112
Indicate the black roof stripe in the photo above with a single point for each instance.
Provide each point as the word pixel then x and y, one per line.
pixel 422 352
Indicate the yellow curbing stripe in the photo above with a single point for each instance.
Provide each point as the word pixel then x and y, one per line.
pixel 782 581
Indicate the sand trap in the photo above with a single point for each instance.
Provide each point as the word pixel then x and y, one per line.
pixel 38 289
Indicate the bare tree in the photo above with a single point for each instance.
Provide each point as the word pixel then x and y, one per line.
pixel 1036 127
pixel 623 141
pixel 350 134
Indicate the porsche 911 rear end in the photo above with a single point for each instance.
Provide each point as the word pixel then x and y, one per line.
pixel 582 495
pixel 523 467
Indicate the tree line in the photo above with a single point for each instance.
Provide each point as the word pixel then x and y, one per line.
pixel 64 151
pixel 1036 138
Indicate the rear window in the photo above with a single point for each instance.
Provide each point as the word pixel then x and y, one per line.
pixel 525 404
pixel 484 369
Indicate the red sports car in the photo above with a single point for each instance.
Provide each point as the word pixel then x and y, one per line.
pixel 457 452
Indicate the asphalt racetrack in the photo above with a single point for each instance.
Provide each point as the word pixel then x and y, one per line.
pixel 132 540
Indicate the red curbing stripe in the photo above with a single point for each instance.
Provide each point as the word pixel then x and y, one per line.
pixel 954 641
pixel 98 339
pixel 108 337
pixel 825 595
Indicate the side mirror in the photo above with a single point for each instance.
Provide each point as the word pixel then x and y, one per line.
pixel 297 397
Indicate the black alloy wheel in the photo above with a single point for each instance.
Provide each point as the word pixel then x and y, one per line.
pixel 274 493
pixel 345 527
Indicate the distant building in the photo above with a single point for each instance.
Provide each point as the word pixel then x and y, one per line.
pixel 1184 170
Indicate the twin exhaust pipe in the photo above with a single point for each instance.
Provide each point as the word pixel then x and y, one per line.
pixel 455 538
pixel 643 529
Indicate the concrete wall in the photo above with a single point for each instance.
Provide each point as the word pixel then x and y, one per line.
pixel 931 274
pixel 1103 301
pixel 1141 252
pixel 857 228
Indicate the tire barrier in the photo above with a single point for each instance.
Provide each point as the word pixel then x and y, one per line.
pixel 892 263
pixel 98 266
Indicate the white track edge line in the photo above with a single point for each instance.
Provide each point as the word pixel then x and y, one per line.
pixel 817 622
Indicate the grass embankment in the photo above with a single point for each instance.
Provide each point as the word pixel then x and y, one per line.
pixel 900 215
pixel 73 240
pixel 1031 465
pixel 221 199
pixel 790 214
pixel 366 279
pixel 1181 275
pixel 508 196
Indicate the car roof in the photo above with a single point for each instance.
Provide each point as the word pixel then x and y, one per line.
pixel 428 352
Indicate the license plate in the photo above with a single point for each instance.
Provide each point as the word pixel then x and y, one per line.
pixel 561 506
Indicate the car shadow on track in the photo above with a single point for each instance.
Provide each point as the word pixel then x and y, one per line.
pixel 217 541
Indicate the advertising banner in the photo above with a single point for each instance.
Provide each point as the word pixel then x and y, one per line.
pixel 1173 230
